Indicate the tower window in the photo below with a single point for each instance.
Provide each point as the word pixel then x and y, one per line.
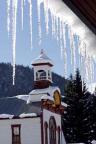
pixel 16 134
pixel 52 130
pixel 40 75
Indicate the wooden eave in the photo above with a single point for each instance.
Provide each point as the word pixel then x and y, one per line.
pixel 85 10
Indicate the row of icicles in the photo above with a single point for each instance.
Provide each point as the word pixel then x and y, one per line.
pixel 85 62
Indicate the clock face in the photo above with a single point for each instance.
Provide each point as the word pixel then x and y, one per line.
pixel 57 98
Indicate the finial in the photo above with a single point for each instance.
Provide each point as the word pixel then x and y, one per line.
pixel 42 51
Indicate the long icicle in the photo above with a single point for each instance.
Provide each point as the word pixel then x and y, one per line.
pixel 93 70
pixel 8 15
pixel 71 45
pixel 14 16
pixel 72 48
pixel 53 24
pixel 30 15
pixel 22 11
pixel 46 8
pixel 65 52
pixel 57 29
pixel 61 39
pixel 39 20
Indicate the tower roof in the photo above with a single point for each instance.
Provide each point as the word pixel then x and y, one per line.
pixel 42 59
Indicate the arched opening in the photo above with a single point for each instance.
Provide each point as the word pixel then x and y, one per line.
pixel 40 75
pixel 52 130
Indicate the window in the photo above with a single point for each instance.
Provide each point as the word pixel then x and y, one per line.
pixel 16 134
pixel 40 75
pixel 58 135
pixel 52 130
pixel 46 133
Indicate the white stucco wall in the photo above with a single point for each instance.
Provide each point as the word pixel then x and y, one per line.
pixel 46 116
pixel 30 130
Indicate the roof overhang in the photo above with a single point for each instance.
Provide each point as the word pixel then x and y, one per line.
pixel 85 10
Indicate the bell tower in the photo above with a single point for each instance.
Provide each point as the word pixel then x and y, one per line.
pixel 42 71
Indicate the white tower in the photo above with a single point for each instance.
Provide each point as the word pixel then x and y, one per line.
pixel 42 71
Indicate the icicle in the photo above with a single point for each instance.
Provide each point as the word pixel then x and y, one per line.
pixel 72 49
pixel 71 46
pixel 22 11
pixel 57 29
pixel 64 48
pixel 53 25
pixel 84 61
pixel 8 15
pixel 30 14
pixel 39 21
pixel 79 51
pixel 93 70
pixel 14 14
pixel 61 38
pixel 46 3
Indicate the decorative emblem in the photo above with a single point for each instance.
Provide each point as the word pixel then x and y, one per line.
pixel 57 99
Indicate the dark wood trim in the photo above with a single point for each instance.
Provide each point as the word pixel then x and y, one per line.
pixel 46 132
pixel 39 64
pixel 17 117
pixel 85 10
pixel 42 135
pixel 42 84
pixel 58 130
pixel 13 135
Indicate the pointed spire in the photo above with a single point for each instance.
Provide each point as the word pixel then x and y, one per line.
pixel 42 51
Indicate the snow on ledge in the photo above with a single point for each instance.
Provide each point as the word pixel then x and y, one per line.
pixel 51 98
pixel 3 116
pixel 64 104
pixel 47 97
pixel 22 97
pixel 23 115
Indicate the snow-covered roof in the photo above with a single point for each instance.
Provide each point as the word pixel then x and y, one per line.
pixel 50 90
pixel 3 116
pixel 22 97
pixel 23 115
pixel 11 107
pixel 43 58
pixel 47 97
pixel 35 95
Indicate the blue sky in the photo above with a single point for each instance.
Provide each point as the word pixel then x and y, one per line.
pixel 24 54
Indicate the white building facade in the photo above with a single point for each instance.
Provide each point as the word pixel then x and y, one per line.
pixel 34 118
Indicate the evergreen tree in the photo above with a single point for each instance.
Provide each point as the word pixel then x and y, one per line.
pixel 72 120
